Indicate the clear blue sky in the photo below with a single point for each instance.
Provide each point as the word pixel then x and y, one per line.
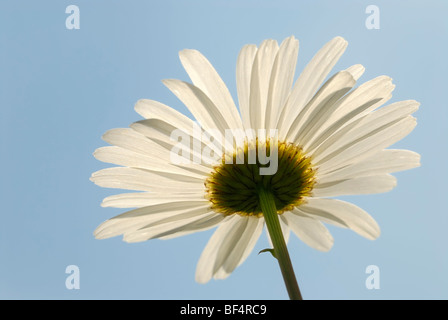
pixel 61 89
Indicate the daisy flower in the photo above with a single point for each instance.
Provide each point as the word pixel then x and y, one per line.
pixel 329 137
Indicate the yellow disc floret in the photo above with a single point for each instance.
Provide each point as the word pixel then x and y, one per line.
pixel 233 184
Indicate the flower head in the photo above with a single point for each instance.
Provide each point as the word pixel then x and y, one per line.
pixel 303 141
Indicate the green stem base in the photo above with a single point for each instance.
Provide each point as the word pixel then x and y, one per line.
pixel 267 204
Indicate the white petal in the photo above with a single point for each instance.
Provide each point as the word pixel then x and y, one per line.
pixel 151 109
pixel 356 71
pixel 355 105
pixel 228 247
pixel 243 76
pixel 259 83
pixel 135 219
pixel 378 88
pixel 363 142
pixel 172 227
pixel 205 77
pixel 127 158
pixel 362 185
pixel 132 140
pixel 385 161
pixel 374 122
pixel 342 214
pixel 203 109
pixel 281 80
pixel 320 107
pixel 237 254
pixel 309 230
pixel 205 223
pixel 224 233
pixel 309 81
pixel 145 180
pixel 192 143
pixel 143 199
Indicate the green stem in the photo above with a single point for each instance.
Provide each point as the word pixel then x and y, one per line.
pixel 281 252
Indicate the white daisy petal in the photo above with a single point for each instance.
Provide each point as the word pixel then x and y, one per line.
pixel 281 80
pixel 378 88
pixel 132 140
pixel 373 123
pixel 362 185
pixel 350 108
pixel 363 143
pixel 228 244
pixel 309 81
pixel 236 255
pixel 165 134
pixel 259 83
pixel 228 247
pixel 172 227
pixel 309 230
pixel 356 71
pixel 229 229
pixel 143 199
pixel 206 222
pixel 321 106
pixel 150 109
pixel 327 136
pixel 385 161
pixel 243 76
pixel 145 180
pixel 127 158
pixel 205 77
pixel 135 219
pixel 202 108
pixel 342 214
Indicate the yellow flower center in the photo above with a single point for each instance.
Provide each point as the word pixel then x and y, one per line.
pixel 233 184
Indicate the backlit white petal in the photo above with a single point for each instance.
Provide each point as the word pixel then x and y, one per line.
pixel 309 230
pixel 127 158
pixel 320 107
pixel 355 105
pixel 281 80
pixel 356 71
pixel 259 83
pixel 145 180
pixel 143 199
pixel 172 227
pixel 150 109
pixel 205 77
pixel 132 140
pixel 190 143
pixel 309 81
pixel 200 105
pixel 243 77
pixel 236 255
pixel 366 143
pixel 385 161
pixel 342 214
pixel 206 222
pixel 362 185
pixel 226 235
pixel 135 219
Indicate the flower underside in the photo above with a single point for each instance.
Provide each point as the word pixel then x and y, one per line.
pixel 233 186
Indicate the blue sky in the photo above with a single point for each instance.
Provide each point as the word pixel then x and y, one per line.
pixel 61 89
